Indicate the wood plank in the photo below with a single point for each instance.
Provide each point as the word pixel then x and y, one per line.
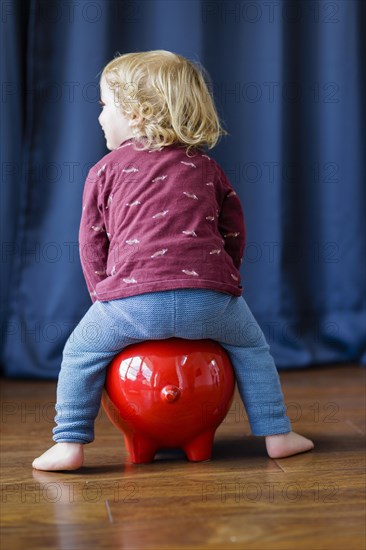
pixel 241 498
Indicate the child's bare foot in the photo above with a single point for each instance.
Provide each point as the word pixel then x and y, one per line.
pixel 62 456
pixel 282 445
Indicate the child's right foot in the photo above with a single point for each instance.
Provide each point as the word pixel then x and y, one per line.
pixel 62 456
pixel 282 445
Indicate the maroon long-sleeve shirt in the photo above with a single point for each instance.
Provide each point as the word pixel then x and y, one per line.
pixel 159 220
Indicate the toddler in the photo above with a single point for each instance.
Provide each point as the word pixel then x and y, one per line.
pixel 161 239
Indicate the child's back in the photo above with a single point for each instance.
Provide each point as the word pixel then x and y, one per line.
pixel 164 220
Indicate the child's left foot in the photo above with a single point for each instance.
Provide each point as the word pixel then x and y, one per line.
pixel 282 445
pixel 62 456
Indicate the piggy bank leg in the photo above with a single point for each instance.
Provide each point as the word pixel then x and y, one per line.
pixel 200 447
pixel 140 448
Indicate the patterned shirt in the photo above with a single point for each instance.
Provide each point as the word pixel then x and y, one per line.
pixel 159 220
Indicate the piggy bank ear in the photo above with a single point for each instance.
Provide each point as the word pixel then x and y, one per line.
pixel 170 393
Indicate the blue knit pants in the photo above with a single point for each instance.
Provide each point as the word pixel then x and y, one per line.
pixel 194 314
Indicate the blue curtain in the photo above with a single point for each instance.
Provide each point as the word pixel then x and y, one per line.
pixel 288 79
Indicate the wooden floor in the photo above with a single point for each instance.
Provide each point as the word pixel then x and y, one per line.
pixel 240 499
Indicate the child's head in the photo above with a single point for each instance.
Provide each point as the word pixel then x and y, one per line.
pixel 163 99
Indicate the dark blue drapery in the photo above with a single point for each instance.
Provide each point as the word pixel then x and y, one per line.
pixel 288 79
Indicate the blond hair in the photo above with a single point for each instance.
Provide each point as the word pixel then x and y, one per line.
pixel 169 96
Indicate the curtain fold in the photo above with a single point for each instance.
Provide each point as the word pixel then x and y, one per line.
pixel 288 79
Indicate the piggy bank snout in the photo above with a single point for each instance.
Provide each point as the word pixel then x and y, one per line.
pixel 170 393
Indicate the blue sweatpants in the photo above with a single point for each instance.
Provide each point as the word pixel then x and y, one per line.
pixel 194 314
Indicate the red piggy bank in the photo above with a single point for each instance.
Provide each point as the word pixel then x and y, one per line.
pixel 169 394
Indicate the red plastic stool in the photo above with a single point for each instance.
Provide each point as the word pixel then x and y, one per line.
pixel 169 394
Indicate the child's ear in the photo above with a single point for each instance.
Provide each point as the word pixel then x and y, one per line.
pixel 135 120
